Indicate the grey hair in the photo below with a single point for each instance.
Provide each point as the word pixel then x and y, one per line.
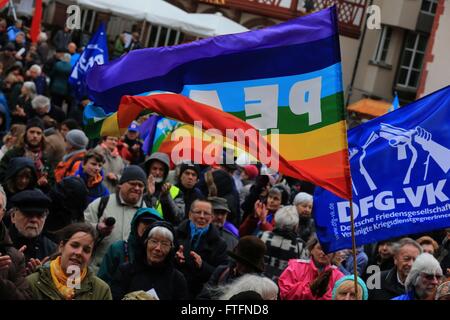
pixel 162 231
pixel 396 247
pixel 40 102
pixel 251 282
pixel 275 190
pixel 31 88
pixel 425 263
pixel 302 197
pixel 286 218
pixel 66 57
pixel 37 68
pixel 42 36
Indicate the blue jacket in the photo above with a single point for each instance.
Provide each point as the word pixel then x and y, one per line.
pixel 406 296
pixel 97 191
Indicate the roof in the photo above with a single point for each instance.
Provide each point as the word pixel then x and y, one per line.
pixel 369 107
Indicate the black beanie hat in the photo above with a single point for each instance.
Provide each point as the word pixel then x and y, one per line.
pixel 133 172
pixel 189 165
pixel 35 123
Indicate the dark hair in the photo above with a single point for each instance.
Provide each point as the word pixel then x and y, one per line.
pixel 68 231
pixel 71 124
pixel 94 154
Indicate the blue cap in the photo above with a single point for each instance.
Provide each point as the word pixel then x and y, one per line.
pixel 134 127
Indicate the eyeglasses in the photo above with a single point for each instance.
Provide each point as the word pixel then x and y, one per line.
pixel 431 277
pixel 164 244
pixel 136 184
pixel 199 212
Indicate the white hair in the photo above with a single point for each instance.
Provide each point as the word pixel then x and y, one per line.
pixel 302 197
pixel 425 263
pixel 286 218
pixel 40 102
pixel 397 246
pixel 36 68
pixel 162 231
pixel 42 37
pixel 31 87
pixel 251 282
pixel 66 57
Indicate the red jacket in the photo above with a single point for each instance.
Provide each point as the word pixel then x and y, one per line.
pixel 295 280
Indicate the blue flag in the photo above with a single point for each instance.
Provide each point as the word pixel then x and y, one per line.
pixel 400 164
pixel 395 103
pixel 95 52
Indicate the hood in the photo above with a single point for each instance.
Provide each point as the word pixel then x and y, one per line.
pixel 134 242
pixel 224 182
pixel 170 256
pixel 162 157
pixel 17 164
pixel 70 193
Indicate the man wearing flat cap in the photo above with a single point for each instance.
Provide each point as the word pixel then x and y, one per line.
pixel 227 231
pixel 28 214
pixel 247 257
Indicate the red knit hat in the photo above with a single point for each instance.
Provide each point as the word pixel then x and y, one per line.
pixel 251 171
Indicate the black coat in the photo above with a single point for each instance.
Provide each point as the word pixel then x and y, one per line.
pixel 168 282
pixel 69 200
pixel 37 248
pixel 212 249
pixel 390 287
pixel 189 196
pixel 13 285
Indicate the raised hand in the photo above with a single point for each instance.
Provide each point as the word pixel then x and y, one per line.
pixel 165 188
pixel 260 211
pixel 197 259
pixel 179 255
pixel 5 262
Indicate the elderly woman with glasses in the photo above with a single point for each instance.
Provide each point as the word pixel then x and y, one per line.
pixel 152 272
pixel 423 279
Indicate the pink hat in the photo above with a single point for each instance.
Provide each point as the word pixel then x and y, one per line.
pixel 251 171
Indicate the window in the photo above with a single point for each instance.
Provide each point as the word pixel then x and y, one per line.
pixel 429 6
pixel 383 45
pixel 411 62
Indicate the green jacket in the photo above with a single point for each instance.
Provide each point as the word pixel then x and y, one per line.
pixel 92 288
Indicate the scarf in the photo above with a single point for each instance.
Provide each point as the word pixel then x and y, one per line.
pixel 35 154
pixel 90 181
pixel 114 153
pixel 196 234
pixel 59 278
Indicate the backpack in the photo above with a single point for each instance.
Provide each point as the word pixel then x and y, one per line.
pixel 104 202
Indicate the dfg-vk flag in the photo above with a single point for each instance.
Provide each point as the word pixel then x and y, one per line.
pixel 400 165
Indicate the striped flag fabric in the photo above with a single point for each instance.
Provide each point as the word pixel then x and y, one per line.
pixel 285 79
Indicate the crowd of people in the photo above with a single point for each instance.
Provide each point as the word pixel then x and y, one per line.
pixel 98 219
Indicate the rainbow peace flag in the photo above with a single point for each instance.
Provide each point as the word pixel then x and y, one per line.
pixel 286 79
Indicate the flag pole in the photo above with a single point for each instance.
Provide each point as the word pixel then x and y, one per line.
pixel 13 9
pixel 355 267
